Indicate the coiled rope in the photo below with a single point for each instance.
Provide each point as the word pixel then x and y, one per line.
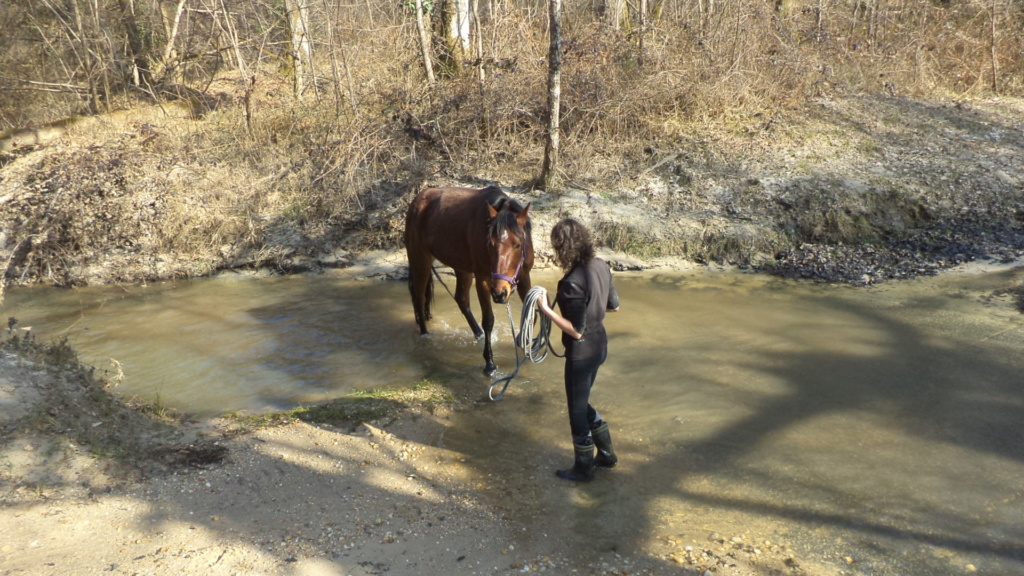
pixel 534 339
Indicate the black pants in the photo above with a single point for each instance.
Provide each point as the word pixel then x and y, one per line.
pixel 579 379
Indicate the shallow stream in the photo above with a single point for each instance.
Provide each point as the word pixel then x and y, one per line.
pixel 879 430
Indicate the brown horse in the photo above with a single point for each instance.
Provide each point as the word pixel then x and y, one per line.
pixel 481 234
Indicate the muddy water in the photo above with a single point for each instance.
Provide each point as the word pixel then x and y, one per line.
pixel 876 431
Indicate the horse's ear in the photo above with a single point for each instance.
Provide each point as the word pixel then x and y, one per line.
pixel 492 211
pixel 524 215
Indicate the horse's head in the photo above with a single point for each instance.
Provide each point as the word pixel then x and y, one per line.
pixel 508 239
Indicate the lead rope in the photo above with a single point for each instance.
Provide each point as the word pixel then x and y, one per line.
pixel 535 348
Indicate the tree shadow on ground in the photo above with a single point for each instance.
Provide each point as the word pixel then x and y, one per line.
pixel 807 461
pixel 916 385
pixel 941 399
pixel 66 431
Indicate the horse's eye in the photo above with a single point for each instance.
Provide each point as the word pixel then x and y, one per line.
pixel 518 246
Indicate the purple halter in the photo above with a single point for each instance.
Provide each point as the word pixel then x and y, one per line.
pixel 513 280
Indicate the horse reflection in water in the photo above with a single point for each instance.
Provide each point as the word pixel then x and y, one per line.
pixel 482 235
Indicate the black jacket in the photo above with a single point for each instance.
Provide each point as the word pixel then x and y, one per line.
pixel 584 294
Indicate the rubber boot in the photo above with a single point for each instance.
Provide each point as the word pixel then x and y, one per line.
pixel 583 468
pixel 606 457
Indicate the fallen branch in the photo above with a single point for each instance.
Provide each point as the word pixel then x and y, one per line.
pixel 37 86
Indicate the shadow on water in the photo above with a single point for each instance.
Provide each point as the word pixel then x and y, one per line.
pixel 922 391
pixel 333 337
pixel 328 338
pixel 891 449
pixel 849 423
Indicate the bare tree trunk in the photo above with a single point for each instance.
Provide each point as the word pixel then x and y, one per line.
pixel 369 13
pixel 640 33
pixel 549 172
pixel 479 48
pixel 611 12
pixel 298 28
pixel 706 8
pixel 168 60
pixel 860 11
pixel 994 54
pixel 482 72
pixel 820 22
pixel 424 43
pixel 250 85
pixel 656 10
pixel 452 34
pixel 334 66
pixel 243 70
pixel 89 59
pixel 229 29
pixel 103 51
pixel 84 36
pixel 461 27
pixel 140 60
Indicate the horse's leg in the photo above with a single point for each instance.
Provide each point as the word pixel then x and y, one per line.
pixel 419 287
pixel 463 282
pixel 428 297
pixel 483 292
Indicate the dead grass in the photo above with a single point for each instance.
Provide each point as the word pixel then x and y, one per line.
pixel 258 177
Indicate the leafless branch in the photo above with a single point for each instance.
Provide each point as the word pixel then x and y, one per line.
pixel 35 85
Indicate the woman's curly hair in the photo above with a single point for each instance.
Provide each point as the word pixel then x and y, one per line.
pixel 572 243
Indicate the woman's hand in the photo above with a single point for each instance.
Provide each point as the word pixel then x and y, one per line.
pixel 542 300
pixel 563 324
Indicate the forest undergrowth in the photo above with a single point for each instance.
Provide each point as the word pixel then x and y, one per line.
pixel 831 140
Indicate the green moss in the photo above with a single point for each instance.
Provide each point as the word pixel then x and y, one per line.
pixel 377 405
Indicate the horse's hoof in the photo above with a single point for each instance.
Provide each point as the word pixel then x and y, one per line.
pixel 490 370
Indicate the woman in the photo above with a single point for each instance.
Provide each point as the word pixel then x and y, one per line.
pixel 585 293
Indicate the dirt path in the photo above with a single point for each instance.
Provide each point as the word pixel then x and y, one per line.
pixel 307 500
pixel 291 500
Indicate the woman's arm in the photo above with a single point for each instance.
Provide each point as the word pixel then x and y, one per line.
pixel 563 324
pixel 613 298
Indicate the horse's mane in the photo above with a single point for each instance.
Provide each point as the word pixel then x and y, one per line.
pixel 506 219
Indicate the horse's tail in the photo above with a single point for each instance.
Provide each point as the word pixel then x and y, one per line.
pixel 429 297
pixel 422 315
pixel 412 285
pixel 414 270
